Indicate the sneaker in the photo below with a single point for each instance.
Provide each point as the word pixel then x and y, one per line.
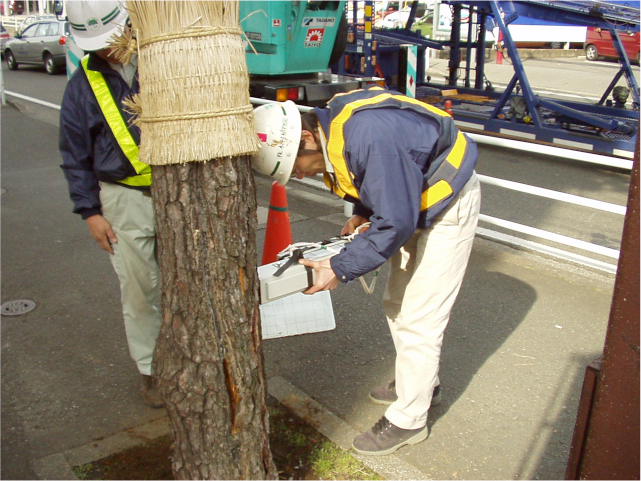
pixel 150 392
pixel 387 394
pixel 385 438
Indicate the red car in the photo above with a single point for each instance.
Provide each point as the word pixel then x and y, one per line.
pixel 598 43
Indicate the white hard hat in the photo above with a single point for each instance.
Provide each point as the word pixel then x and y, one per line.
pixel 93 23
pixel 279 130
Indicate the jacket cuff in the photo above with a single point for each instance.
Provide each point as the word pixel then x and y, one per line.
pixel 341 274
pixel 86 213
pixel 359 209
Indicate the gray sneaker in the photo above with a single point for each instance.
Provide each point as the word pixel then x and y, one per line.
pixel 387 394
pixel 385 438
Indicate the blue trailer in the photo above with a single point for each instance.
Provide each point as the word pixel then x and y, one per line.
pixel 607 127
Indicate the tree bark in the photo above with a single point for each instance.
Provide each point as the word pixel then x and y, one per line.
pixel 209 358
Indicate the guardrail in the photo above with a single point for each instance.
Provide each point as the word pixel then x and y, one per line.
pixel 12 21
pixel 550 236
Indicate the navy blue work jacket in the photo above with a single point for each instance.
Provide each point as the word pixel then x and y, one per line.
pixel 90 153
pixel 388 152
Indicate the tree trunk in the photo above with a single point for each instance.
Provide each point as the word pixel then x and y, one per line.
pixel 209 358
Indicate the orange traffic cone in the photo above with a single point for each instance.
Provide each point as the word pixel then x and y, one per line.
pixel 448 107
pixel 278 234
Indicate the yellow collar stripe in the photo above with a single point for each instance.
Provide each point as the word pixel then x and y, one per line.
pixel 456 155
pixel 336 143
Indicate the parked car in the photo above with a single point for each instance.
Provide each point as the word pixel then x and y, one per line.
pixel 598 43
pixel 34 18
pixel 43 42
pixel 4 36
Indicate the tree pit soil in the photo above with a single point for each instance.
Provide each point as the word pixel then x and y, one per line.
pixel 298 450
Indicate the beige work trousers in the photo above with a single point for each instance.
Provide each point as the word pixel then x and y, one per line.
pixel 425 278
pixel 131 216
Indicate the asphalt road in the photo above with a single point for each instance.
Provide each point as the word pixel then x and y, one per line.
pixel 34 82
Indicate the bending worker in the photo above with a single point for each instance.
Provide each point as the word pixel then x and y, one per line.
pixel 410 172
pixel 109 186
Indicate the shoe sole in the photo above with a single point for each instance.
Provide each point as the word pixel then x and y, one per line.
pixel 417 438
pixel 380 401
pixel 436 400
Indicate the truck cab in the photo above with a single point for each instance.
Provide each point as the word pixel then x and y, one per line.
pixel 287 38
pixel 289 46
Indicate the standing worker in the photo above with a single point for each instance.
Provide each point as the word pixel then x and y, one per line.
pixel 410 172
pixel 109 186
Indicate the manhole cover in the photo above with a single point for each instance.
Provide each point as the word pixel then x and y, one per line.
pixel 15 308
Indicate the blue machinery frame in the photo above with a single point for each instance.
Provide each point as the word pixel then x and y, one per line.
pixel 597 128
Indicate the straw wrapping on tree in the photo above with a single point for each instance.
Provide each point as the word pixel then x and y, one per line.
pixel 194 102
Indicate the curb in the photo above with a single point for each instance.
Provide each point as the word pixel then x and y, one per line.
pixel 59 466
pixel 338 431
pixel 541 53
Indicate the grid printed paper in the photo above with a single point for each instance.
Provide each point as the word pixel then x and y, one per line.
pixel 297 314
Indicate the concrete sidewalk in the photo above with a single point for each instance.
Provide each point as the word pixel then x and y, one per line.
pixel 521 334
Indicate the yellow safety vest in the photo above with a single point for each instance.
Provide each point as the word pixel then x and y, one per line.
pixel 451 150
pixel 118 127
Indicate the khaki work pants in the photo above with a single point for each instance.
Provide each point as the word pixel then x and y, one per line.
pixel 131 216
pixel 425 278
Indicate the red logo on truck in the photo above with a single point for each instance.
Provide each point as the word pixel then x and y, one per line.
pixel 314 37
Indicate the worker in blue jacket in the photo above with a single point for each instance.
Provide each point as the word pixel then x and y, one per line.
pixel 410 173
pixel 109 186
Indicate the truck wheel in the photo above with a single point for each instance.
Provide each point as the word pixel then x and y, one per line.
pixel 340 44
pixel 11 60
pixel 591 53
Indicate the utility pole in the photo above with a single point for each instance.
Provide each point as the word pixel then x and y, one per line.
pixel 605 444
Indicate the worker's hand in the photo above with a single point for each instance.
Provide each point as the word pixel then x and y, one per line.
pixel 353 223
pixel 101 231
pixel 326 280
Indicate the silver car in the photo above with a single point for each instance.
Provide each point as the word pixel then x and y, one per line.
pixel 4 38
pixel 41 43
pixel 34 18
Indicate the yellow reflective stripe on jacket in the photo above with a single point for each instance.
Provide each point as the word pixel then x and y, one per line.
pixel 455 157
pixel 118 127
pixel 336 144
pixel 333 186
pixel 435 194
